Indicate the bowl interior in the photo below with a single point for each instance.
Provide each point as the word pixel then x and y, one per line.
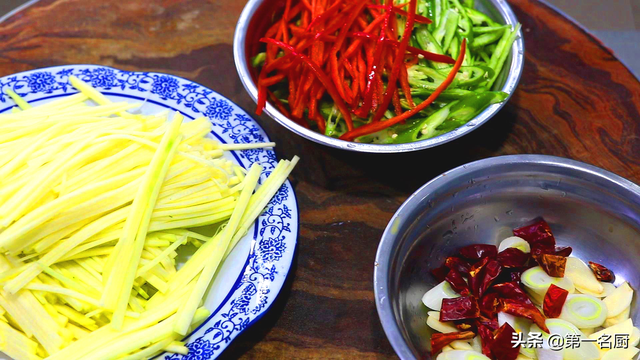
pixel 259 15
pixel 598 218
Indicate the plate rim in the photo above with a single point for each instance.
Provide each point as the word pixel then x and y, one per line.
pixel 295 218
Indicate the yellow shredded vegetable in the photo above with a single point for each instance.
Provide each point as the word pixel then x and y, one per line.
pixel 95 204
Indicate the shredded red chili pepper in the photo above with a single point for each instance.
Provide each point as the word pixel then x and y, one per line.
pixel 554 301
pixel 512 291
pixel 461 308
pixel 440 273
pixel 601 272
pixel 439 340
pixel 381 125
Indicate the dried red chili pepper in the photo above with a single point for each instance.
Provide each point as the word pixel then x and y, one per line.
pixel 489 304
pixel 439 340
pixel 519 308
pixel 601 272
pixel 538 250
pixel 516 276
pixel 554 301
pixel 502 347
pixel 464 307
pixel 462 266
pixel 454 278
pixel 482 274
pixel 538 233
pixel 478 251
pixel 490 322
pixel 553 265
pixel 440 273
pixel 486 337
pixel 476 275
pixel 512 291
pixel 512 257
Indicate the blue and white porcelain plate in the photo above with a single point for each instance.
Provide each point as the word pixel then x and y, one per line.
pixel 246 285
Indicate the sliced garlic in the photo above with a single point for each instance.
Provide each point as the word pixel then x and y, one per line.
pixel 619 300
pixel 582 276
pixel 433 320
pixel 617 319
pixel 608 289
pixel 433 298
pixel 461 355
pixel 620 354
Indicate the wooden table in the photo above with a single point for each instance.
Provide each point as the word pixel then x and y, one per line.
pixel 575 100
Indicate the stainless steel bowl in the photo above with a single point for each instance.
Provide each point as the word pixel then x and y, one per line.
pixel 590 209
pixel 255 19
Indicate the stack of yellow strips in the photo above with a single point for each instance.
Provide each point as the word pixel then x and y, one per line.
pixel 94 203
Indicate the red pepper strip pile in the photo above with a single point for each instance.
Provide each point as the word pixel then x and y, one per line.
pixel 554 301
pixel 486 337
pixel 317 39
pixel 455 279
pixel 601 272
pixel 381 125
pixel 398 62
pixel 439 340
pixel 324 79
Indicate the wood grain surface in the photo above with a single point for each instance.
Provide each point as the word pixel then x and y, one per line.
pixel 575 100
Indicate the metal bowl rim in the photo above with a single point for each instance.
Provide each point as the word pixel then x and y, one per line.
pixel 513 77
pixel 386 246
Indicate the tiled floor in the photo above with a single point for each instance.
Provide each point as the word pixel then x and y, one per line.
pixel 615 22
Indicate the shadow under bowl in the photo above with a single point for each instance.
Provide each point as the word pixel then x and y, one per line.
pixel 592 210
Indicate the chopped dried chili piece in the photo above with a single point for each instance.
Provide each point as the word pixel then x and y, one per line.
pixel 601 272
pixel 440 273
pixel 551 250
pixel 464 307
pixel 482 274
pixel 454 278
pixel 516 276
pixel 479 251
pixel 512 257
pixel 502 347
pixel 486 337
pixel 563 251
pixel 439 340
pixel 461 265
pixel 512 291
pixel 490 322
pixel 553 265
pixel 538 233
pixel 521 309
pixel 489 304
pixel 554 301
